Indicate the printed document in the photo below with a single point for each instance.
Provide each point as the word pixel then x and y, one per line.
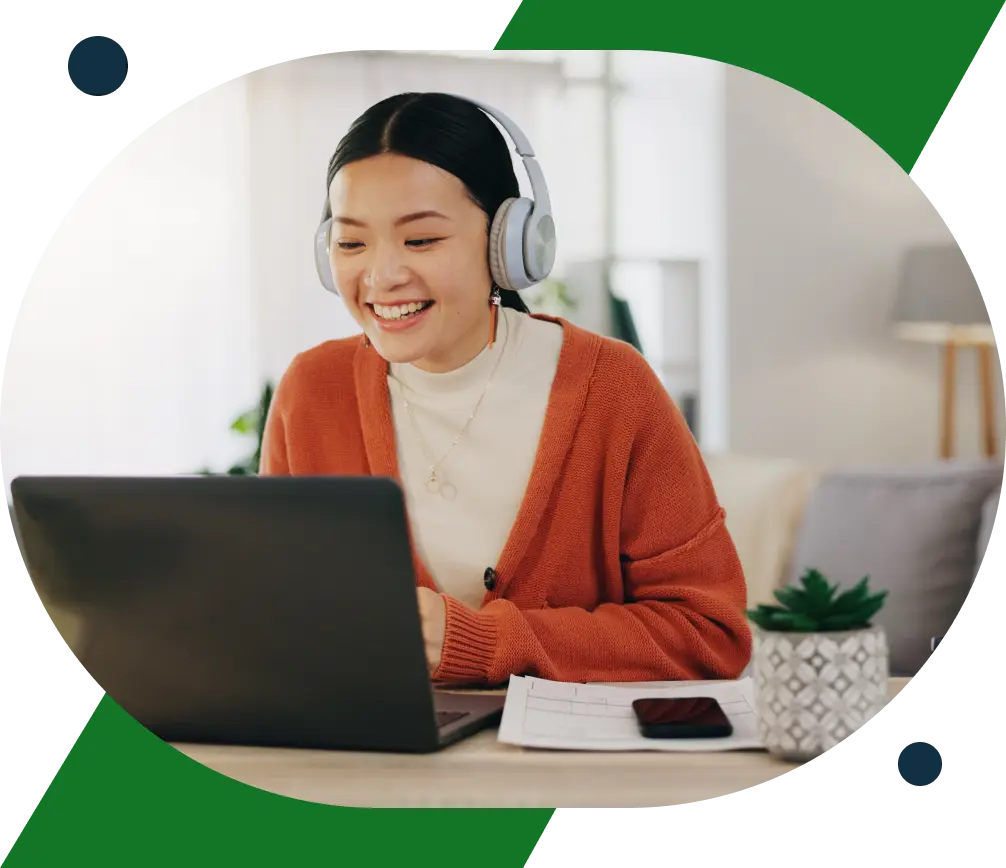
pixel 562 716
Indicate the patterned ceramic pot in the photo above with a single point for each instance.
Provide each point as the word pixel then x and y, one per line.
pixel 814 689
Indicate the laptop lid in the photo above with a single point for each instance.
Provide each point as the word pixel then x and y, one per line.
pixel 243 610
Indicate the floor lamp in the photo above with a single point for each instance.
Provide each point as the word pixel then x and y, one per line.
pixel 938 301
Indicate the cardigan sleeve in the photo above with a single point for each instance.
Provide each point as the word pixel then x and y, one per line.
pixel 683 615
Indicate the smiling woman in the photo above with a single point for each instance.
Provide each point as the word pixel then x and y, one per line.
pixel 410 224
pixel 563 521
pixel 408 246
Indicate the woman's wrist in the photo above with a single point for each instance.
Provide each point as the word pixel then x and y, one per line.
pixel 470 642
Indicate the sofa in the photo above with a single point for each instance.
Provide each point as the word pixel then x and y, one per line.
pixel 919 531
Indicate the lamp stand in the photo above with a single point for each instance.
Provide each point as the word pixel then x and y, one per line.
pixel 988 400
pixel 949 399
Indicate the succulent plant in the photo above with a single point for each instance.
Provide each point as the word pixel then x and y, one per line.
pixel 814 608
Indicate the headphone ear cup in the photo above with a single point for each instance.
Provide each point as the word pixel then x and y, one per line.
pixel 506 245
pixel 539 246
pixel 322 260
pixel 497 241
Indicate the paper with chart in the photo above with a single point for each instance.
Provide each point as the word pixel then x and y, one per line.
pixel 562 716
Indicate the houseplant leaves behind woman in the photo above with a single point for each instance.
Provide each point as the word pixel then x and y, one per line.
pixel 250 423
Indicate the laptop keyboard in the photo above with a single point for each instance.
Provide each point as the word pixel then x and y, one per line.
pixel 446 717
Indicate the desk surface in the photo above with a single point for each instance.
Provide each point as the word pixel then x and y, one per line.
pixel 481 772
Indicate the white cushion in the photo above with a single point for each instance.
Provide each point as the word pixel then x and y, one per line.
pixel 764 500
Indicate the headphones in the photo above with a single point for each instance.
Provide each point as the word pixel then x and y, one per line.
pixel 521 237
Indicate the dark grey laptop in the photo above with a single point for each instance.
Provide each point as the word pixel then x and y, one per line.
pixel 276 611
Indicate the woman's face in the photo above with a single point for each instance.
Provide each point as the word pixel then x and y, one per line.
pixel 409 255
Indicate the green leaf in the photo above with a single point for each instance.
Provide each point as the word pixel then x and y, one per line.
pixel 262 415
pixel 812 577
pixel 761 619
pixel 565 299
pixel 793 621
pixel 871 606
pixel 764 614
pixel 793 599
pixel 819 593
pixel 851 599
pixel 246 423
pixel 769 607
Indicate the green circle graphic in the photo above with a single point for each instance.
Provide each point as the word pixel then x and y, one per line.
pixel 123 797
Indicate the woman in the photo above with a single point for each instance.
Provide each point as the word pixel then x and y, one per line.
pixel 563 523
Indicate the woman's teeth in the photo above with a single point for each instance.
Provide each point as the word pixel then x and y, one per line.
pixel 399 311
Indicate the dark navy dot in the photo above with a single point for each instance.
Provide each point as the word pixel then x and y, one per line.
pixel 98 65
pixel 920 764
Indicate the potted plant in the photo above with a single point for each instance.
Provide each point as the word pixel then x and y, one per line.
pixel 552 297
pixel 820 667
pixel 250 424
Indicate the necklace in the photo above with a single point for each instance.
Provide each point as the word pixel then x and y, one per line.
pixel 436 483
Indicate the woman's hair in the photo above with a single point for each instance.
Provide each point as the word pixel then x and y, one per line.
pixel 447 132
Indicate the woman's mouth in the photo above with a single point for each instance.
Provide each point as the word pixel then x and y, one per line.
pixel 397 317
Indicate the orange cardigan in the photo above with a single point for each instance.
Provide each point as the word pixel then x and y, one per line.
pixel 619 566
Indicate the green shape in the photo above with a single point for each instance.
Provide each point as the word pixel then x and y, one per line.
pixel 852 599
pixel 888 67
pixel 816 608
pixel 124 797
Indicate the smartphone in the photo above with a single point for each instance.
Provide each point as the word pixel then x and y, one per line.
pixel 698 717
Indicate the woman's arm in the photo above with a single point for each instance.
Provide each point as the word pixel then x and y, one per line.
pixel 684 587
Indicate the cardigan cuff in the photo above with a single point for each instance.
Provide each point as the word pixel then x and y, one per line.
pixel 470 640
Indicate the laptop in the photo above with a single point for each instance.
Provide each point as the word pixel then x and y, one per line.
pixel 269 611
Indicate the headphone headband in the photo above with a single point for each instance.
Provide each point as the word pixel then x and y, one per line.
pixel 524 150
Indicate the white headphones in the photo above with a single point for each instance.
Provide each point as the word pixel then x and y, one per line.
pixel 521 237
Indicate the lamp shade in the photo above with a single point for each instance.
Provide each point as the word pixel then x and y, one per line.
pixel 938 298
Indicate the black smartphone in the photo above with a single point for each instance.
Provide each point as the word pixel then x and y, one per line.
pixel 697 717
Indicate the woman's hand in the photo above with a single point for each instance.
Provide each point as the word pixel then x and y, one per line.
pixel 433 614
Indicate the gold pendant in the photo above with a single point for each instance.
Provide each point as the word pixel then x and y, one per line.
pixel 445 489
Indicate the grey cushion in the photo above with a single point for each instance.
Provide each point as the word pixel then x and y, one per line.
pixel 989 510
pixel 914 531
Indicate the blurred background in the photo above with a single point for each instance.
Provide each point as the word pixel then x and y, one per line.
pixel 753 244
pixel 755 235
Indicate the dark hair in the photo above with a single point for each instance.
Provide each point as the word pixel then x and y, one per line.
pixel 447 132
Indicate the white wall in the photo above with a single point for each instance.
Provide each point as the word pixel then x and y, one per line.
pixel 132 349
pixel 817 216
pixel 670 203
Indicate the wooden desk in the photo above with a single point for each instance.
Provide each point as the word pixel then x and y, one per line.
pixel 481 772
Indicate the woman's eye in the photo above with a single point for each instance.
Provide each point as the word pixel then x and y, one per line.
pixel 415 244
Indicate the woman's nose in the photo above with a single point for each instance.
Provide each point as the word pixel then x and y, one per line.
pixel 386 269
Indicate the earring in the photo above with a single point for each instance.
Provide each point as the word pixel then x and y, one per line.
pixel 366 339
pixel 494 306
